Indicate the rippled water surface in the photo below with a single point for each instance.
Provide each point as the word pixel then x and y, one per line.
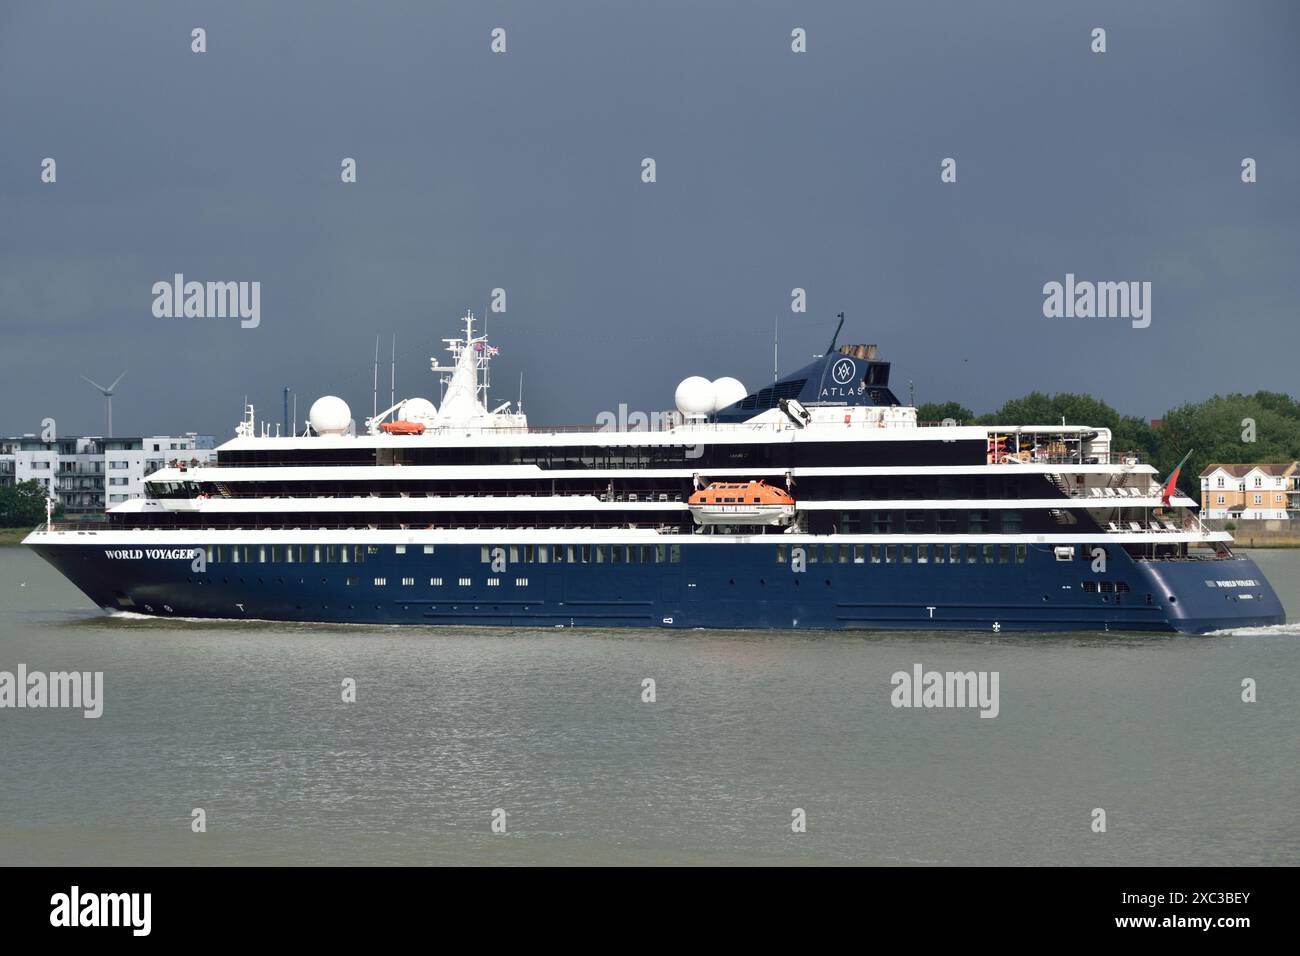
pixel 246 721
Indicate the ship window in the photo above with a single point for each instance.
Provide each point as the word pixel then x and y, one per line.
pixel 844 554
pixel 1004 554
pixel 978 521
pixel 400 549
pixel 345 554
pixel 758 501
pixel 528 554
pixel 276 554
pixel 940 553
pixel 1106 587
pixel 661 554
pixel 891 553
pixel 557 553
pixel 988 554
pixel 358 555
pixel 1021 553
pixel 428 549
pixel 675 553
pixel 615 554
pixel 875 554
pixel 947 522
pixel 514 554
pixel 315 554
pixel 914 521
pixel 600 553
pixel 972 554
pixel 372 549
pixel 543 554
pixel 645 554
pixel 435 582
pixel 828 554
pixel 780 554
pixel 954 554
pixel 586 554
pixel 922 554
pixel 908 553
pixel 1011 522
pixel 571 554
pixel 880 522
pixel 812 554
pixel 1064 553
pixel 858 554
pixel 408 582
pixel 493 582
pixel 1090 587
pixel 353 582
pixel 381 582
pixel 464 582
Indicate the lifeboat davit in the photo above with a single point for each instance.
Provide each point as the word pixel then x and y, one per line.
pixel 402 428
pixel 742 502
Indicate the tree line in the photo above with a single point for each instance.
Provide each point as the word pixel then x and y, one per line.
pixel 1223 429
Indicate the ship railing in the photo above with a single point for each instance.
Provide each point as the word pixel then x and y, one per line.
pixel 622 497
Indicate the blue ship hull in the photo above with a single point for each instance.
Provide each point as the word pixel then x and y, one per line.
pixel 740 585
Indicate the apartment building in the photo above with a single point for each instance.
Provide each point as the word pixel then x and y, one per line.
pixel 91 474
pixel 1251 491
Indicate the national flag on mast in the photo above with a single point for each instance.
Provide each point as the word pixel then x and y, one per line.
pixel 1171 483
pixel 489 349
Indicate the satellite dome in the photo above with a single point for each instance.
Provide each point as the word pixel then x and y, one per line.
pixel 695 396
pixel 329 415
pixel 418 410
pixel 727 391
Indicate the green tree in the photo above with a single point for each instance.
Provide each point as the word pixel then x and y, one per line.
pixel 935 412
pixel 1219 430
pixel 1128 432
pixel 22 505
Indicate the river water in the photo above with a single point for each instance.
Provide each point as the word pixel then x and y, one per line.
pixel 246 722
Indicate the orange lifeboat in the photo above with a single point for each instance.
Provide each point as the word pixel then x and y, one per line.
pixel 741 502
pixel 402 428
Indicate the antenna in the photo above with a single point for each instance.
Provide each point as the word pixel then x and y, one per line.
pixel 520 407
pixel 374 401
pixel 831 348
pixel 392 376
pixel 776 346
pixel 108 398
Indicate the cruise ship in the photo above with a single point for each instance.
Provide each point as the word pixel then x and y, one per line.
pixel 819 501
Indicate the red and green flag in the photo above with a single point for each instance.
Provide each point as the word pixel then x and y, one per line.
pixel 1171 483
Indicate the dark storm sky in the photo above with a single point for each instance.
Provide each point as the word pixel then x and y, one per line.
pixel 522 170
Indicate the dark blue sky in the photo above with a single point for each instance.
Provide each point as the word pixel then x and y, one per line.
pixel 522 171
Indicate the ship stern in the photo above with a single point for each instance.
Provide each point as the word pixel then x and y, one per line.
pixel 1201 595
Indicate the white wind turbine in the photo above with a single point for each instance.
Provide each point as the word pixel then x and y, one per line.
pixel 108 397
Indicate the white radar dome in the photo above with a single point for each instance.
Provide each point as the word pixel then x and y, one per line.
pixel 695 396
pixel 418 410
pixel 329 415
pixel 727 391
